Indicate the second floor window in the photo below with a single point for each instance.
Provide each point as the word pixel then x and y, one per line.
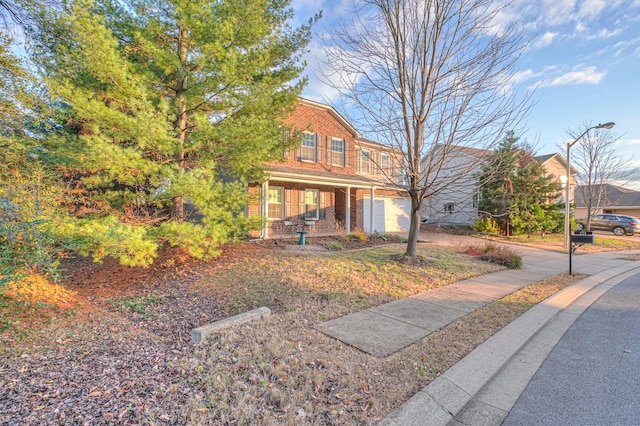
pixel 308 147
pixel 337 151
pixel 385 165
pixel 365 161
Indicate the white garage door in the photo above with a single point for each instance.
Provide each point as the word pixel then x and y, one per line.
pixel 389 214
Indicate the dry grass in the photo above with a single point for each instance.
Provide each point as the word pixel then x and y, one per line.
pixel 280 371
pixel 285 372
pixel 602 243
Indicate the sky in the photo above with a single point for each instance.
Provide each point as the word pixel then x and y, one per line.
pixel 583 61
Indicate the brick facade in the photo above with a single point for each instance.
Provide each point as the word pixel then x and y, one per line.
pixel 325 161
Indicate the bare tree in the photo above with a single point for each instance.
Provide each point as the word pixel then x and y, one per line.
pixel 427 77
pixel 599 165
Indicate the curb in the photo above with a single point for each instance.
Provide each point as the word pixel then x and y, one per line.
pixel 453 394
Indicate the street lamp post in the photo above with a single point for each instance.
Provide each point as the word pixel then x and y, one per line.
pixel 567 244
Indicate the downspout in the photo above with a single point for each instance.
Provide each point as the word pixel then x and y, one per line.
pixel 265 210
pixel 371 214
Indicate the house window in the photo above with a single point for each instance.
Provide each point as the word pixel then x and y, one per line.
pixel 337 151
pixel 477 197
pixel 365 161
pixel 448 208
pixel 311 204
pixel 308 147
pixel 385 164
pixel 274 209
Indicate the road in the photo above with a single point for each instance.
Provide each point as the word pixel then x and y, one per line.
pixel 592 376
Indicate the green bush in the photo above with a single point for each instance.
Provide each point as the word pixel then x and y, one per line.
pixel 486 224
pixel 334 245
pixel 30 237
pixel 502 256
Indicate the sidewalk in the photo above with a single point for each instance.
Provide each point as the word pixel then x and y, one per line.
pixel 455 397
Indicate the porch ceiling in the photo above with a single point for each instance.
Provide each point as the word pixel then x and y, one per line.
pixel 292 174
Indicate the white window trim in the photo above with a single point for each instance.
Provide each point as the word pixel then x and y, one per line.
pixel 281 203
pixel 315 148
pixel 385 169
pixel 344 144
pixel 368 153
pixel 317 215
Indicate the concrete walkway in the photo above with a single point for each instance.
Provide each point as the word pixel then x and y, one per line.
pixel 482 387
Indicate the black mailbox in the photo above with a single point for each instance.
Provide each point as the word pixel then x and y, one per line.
pixel 582 238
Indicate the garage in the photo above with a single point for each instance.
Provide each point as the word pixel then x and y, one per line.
pixel 390 214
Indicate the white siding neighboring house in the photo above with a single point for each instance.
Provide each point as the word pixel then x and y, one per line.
pixel 457 204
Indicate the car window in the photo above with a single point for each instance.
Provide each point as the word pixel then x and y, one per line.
pixel 597 217
pixel 611 217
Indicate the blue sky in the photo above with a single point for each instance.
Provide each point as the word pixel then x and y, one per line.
pixel 584 59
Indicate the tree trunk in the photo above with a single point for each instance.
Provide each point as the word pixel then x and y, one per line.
pixel 414 229
pixel 177 212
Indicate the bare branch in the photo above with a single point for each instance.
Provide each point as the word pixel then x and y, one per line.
pixel 426 77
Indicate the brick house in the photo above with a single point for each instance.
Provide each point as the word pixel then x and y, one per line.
pixel 331 182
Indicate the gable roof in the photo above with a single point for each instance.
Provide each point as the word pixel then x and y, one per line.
pixel 481 153
pixel 613 196
pixel 335 114
pixel 544 158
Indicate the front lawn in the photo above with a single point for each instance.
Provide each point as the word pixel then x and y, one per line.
pixel 122 354
pixel 602 242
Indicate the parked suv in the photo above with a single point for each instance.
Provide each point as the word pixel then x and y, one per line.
pixel 616 223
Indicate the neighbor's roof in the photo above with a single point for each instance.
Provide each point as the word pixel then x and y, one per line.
pixel 614 196
pixel 544 158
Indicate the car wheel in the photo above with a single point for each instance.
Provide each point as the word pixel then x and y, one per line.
pixel 579 227
pixel 618 231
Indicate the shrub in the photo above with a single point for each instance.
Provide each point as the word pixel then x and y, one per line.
pixel 357 234
pixel 334 245
pixel 490 247
pixel 30 237
pixel 486 224
pixel 502 256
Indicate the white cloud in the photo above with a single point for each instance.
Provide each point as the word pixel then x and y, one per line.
pixel 627 142
pixel 588 75
pixel 545 40
pixel 525 75
pixel 317 89
pixel 592 8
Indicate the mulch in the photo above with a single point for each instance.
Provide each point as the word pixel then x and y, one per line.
pixel 100 363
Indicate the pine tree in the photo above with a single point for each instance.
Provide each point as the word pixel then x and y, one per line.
pixel 537 206
pixel 517 192
pixel 167 109
pixel 30 195
pixel 496 189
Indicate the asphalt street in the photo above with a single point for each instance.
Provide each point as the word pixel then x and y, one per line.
pixel 592 376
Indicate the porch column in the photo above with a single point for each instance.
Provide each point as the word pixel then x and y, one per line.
pixel 347 220
pixel 265 209
pixel 373 190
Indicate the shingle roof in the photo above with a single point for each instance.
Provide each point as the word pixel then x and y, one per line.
pixel 614 196
pixel 543 158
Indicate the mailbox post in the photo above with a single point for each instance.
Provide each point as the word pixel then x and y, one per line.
pixel 578 240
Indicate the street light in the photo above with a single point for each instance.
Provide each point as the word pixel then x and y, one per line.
pixel 608 125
